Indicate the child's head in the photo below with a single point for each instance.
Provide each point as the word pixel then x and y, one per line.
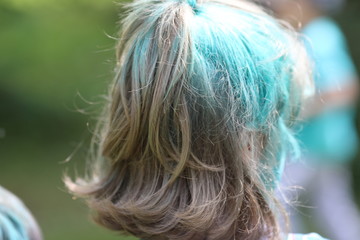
pixel 198 122
pixel 16 221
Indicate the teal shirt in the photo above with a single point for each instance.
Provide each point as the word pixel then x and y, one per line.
pixel 330 136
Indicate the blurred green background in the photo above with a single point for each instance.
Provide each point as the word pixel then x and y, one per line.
pixel 56 60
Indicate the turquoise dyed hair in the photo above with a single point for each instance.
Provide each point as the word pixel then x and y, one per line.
pixel 11 226
pixel 264 65
pixel 259 65
pixel 199 122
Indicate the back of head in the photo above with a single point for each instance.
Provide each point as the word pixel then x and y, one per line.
pixel 198 122
pixel 16 221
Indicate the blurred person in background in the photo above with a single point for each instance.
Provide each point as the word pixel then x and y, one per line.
pixel 328 134
pixel 16 221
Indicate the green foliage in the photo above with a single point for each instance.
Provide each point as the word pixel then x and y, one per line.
pixel 54 54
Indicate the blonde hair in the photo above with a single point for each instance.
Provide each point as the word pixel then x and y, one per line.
pixel 198 122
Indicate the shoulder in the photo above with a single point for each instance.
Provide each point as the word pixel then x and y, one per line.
pixel 323 26
pixel 310 236
pixel 327 47
pixel 324 35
